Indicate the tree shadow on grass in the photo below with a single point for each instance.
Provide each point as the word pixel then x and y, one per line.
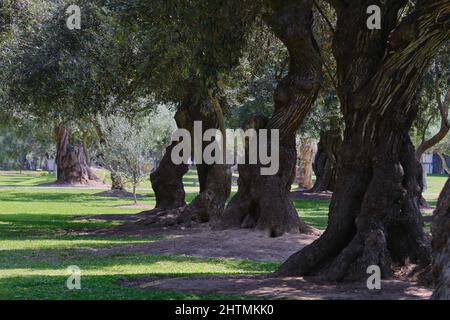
pixel 92 288
pixel 51 196
pixel 41 274
pixel 14 180
pixel 28 226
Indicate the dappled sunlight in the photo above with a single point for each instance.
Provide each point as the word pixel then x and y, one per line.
pixel 43 273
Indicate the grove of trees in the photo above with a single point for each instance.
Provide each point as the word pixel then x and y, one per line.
pixel 375 100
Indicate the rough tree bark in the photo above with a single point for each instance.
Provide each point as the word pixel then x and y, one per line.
pixel 85 145
pixel 167 182
pixel 71 161
pixel 325 162
pixel 263 202
pixel 117 182
pixel 374 217
pixel 304 175
pixel 441 245
pixel 215 180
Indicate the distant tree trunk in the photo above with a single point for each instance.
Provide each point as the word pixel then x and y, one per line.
pixel 444 162
pixel 263 201
pixel 325 162
pixel 86 148
pixel 135 182
pixel 441 245
pixel 71 161
pixel 374 217
pixel 167 182
pixel 304 175
pixel 116 182
pixel 23 162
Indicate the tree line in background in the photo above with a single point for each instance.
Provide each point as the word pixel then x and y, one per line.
pixel 375 99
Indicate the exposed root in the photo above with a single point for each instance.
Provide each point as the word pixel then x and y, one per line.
pixel 201 210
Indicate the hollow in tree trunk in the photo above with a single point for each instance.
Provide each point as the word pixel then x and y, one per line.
pixel 71 161
pixel 441 245
pixel 374 217
pixel 325 161
pixel 304 175
pixel 263 201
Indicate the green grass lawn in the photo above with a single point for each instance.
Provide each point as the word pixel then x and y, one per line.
pixel 37 245
pixel 36 178
pixel 435 183
pixel 25 179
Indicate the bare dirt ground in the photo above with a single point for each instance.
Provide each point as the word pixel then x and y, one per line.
pixel 204 242
pixel 298 288
pixel 91 185
pixel 201 241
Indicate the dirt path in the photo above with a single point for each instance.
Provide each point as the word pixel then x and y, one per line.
pixel 203 242
pixel 283 288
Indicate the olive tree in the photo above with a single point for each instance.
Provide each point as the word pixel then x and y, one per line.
pixel 129 143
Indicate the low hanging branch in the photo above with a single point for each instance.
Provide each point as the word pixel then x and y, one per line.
pixel 445 125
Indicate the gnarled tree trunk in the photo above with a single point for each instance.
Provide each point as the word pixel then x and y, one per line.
pixel 263 201
pixel 325 162
pixel 374 216
pixel 441 245
pixel 71 161
pixel 116 182
pixel 167 182
pixel 304 174
pixel 215 180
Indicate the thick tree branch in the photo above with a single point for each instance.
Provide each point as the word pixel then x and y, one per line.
pixel 430 19
pixel 291 22
pixel 412 45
